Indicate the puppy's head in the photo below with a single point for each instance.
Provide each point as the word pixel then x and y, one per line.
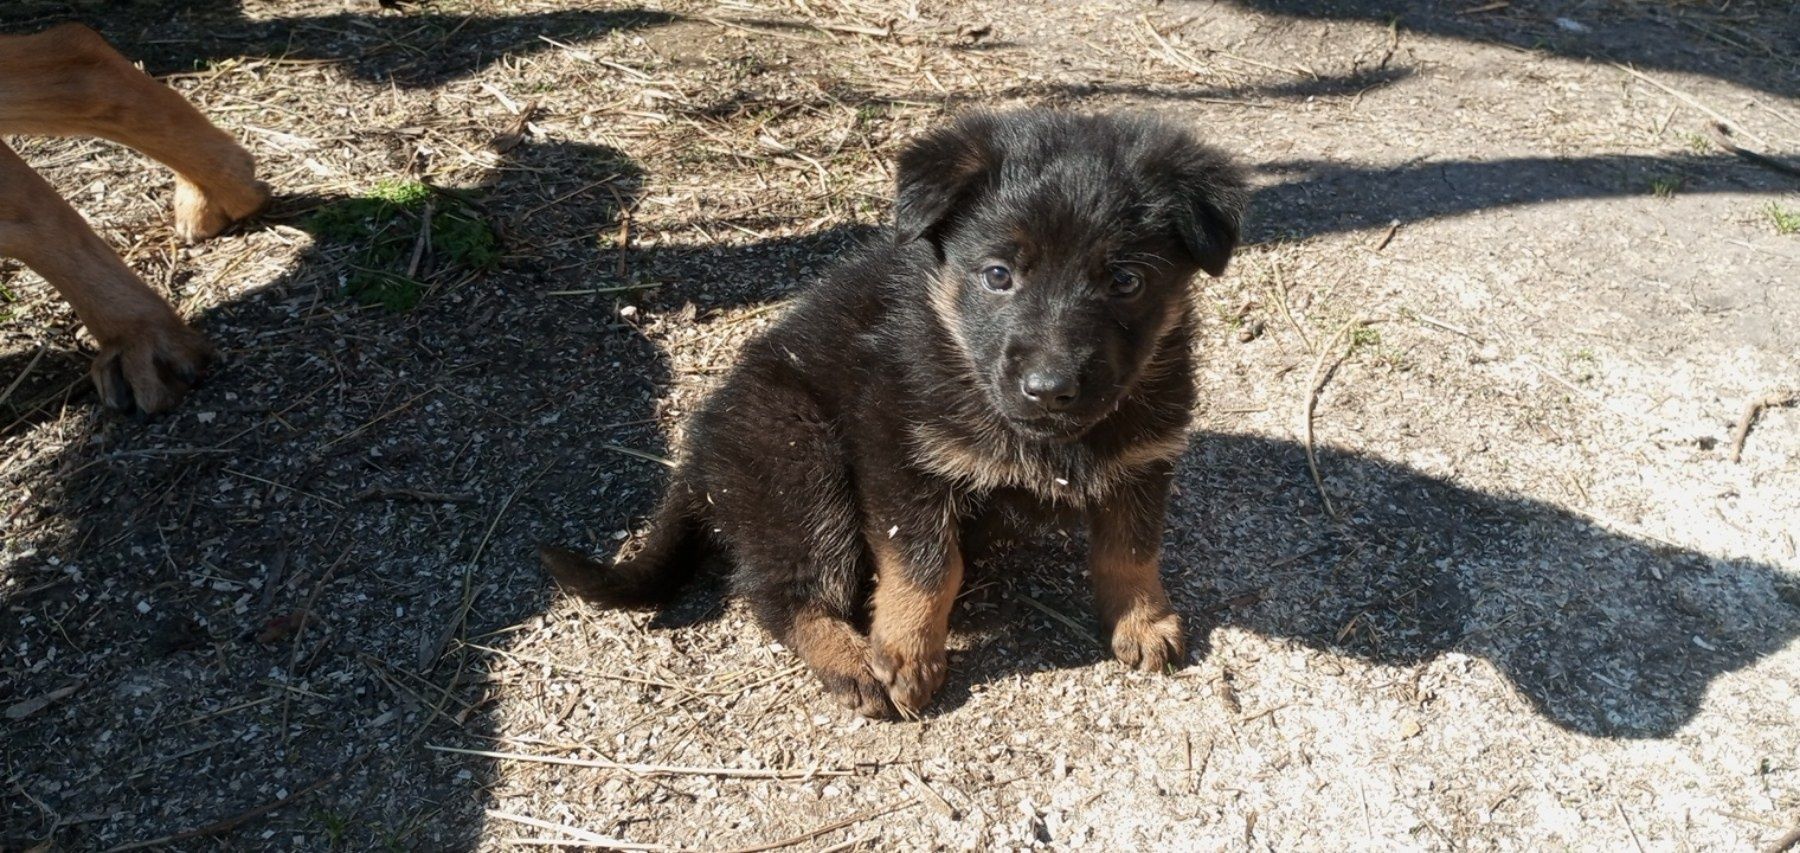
pixel 1065 245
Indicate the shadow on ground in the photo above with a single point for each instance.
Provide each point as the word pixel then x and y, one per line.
pixel 421 48
pixel 1750 44
pixel 1310 198
pixel 1605 634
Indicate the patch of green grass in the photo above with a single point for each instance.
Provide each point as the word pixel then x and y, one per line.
pixel 1364 336
pixel 1583 365
pixel 335 825
pixel 385 224
pixel 1665 186
pixel 1787 222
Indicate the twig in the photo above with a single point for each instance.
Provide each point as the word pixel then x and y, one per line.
pixel 421 243
pixel 578 844
pixel 1439 324
pixel 1388 236
pixel 430 658
pixel 302 492
pixel 830 827
pixel 1786 842
pixel 931 797
pixel 1639 844
pixel 1721 134
pixel 1690 101
pixel 238 820
pixel 381 492
pixel 1753 409
pixel 42 347
pixel 573 832
pixel 589 291
pixel 1319 375
pixel 1053 613
pixel 648 457
pixel 646 769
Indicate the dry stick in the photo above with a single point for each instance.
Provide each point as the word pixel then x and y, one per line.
pixel 578 844
pixel 1721 134
pixel 589 291
pixel 42 347
pixel 932 798
pixel 1692 102
pixel 1786 842
pixel 285 487
pixel 1388 236
pixel 645 769
pixel 624 231
pixel 421 242
pixel 1319 375
pixel 235 821
pixel 1771 400
pixel 427 661
pixel 573 832
pixel 648 457
pixel 830 827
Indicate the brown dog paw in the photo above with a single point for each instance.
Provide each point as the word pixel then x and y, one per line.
pixel 1149 641
pixel 152 367
pixel 861 693
pixel 200 215
pixel 911 668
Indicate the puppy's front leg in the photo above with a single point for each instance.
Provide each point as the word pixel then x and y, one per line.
pixel 1125 536
pixel 916 580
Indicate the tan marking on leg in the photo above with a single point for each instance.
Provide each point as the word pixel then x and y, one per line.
pixel 838 655
pixel 910 625
pixel 1145 631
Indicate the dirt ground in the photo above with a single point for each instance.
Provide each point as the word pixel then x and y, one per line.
pixel 1543 609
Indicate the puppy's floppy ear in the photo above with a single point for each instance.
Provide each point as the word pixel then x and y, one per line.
pixel 1207 195
pixel 940 171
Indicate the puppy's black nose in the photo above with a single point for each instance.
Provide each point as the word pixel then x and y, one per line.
pixel 1050 390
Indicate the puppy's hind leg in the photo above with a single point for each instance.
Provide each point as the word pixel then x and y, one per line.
pixel 780 491
pixel 670 556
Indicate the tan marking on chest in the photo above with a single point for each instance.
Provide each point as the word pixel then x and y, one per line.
pixel 1080 479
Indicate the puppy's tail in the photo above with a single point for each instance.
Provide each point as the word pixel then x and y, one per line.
pixel 670 557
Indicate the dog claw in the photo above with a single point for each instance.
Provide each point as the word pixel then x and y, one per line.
pixel 862 695
pixel 152 368
pixel 1149 642
pixel 912 676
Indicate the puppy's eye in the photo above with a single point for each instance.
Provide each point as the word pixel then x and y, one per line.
pixel 1125 283
pixel 997 278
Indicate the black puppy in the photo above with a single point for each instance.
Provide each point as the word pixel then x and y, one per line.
pixel 1025 338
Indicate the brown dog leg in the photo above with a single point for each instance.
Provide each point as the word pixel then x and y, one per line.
pixel 1125 535
pixel 67 81
pixel 147 354
pixel 910 623
pixel 839 655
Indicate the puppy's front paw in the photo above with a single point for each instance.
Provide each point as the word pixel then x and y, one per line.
pixel 859 692
pixel 911 667
pixel 151 367
pixel 1149 640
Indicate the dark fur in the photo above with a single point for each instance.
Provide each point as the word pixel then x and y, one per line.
pixel 886 404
